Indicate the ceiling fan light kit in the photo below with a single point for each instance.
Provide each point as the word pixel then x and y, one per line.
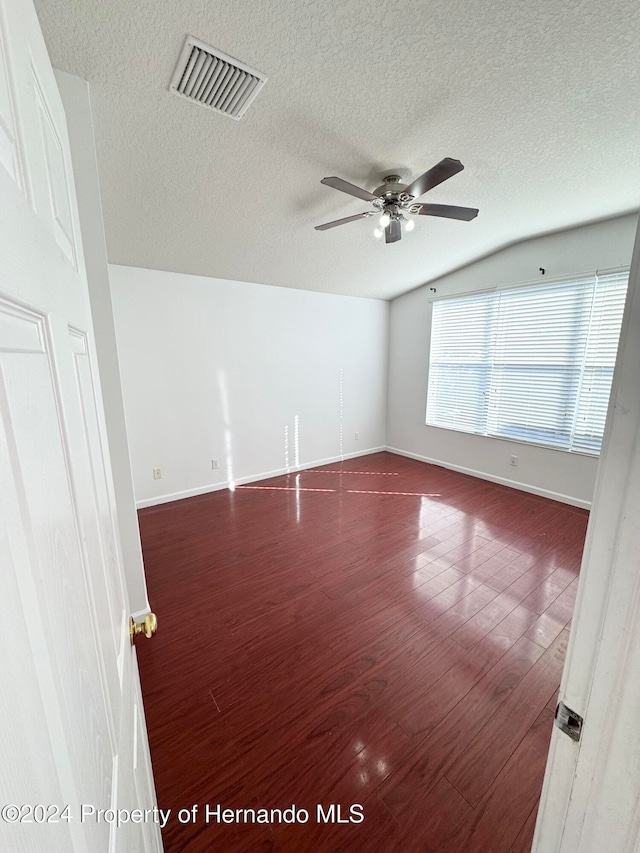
pixel 395 202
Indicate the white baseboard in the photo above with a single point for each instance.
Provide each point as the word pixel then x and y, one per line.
pixel 253 478
pixel 278 472
pixel 492 478
pixel 177 496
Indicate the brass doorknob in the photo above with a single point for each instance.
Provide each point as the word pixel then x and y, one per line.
pixel 148 627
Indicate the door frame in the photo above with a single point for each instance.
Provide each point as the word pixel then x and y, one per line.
pixel 590 798
pixel 76 98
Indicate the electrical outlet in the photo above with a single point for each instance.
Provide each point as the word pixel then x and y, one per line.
pixel 215 464
pixel 513 461
pixel 357 436
pixel 157 473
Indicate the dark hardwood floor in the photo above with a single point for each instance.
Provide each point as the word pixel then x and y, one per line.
pixel 378 632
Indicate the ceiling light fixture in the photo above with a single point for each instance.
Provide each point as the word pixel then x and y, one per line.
pixel 385 219
pixel 378 232
pixel 409 225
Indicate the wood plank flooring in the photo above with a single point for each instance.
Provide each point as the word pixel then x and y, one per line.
pixel 378 632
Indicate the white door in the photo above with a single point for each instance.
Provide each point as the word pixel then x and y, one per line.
pixel 591 796
pixel 72 730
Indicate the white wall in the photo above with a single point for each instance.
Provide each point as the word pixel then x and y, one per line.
pixel 564 476
pixel 224 369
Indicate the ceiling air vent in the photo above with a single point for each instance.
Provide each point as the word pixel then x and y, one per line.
pixel 211 78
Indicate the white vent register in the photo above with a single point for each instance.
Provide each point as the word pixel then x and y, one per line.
pixel 209 77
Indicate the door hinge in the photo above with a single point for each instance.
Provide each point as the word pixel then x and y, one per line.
pixel 569 722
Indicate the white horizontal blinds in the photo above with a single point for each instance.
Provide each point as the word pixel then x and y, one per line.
pixel 460 362
pixel 599 361
pixel 539 337
pixel 530 363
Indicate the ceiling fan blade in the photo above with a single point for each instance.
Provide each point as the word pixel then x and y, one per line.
pixel 393 232
pixel 443 170
pixel 346 187
pixel 345 220
pixel 450 211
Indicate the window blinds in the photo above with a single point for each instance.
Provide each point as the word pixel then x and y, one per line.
pixel 531 363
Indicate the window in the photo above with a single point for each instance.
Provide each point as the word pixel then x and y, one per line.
pixel 531 363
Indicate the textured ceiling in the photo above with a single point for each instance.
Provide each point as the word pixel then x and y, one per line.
pixel 539 100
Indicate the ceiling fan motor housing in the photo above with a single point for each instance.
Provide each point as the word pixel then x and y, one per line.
pixel 392 186
pixel 392 196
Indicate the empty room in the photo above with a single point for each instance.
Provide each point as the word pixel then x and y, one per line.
pixel 319 426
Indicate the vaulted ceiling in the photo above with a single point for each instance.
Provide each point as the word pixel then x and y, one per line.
pixel 539 100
